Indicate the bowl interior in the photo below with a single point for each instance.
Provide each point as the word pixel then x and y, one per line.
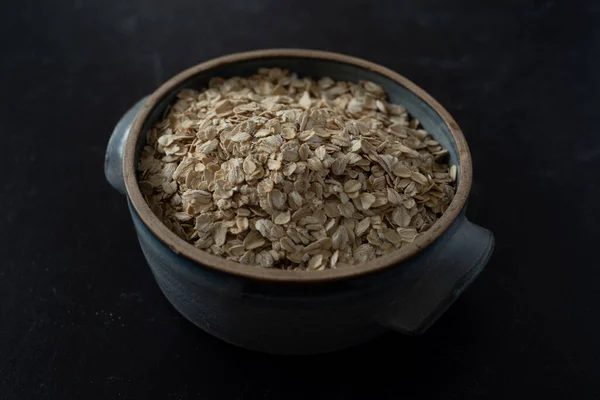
pixel 316 68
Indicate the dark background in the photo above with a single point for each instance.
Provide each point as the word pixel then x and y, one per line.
pixel 80 314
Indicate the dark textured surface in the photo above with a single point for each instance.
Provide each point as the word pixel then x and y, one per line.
pixel 80 314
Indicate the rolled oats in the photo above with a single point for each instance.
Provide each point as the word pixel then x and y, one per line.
pixel 277 171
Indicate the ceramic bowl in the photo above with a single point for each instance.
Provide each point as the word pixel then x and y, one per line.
pixel 296 312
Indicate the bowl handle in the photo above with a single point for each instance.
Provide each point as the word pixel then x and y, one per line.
pixel 113 160
pixel 442 279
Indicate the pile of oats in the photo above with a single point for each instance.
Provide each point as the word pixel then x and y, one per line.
pixel 279 171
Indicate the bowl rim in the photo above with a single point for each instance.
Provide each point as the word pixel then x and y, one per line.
pixel 205 259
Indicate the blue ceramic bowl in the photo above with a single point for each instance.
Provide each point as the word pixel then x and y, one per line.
pixel 295 312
